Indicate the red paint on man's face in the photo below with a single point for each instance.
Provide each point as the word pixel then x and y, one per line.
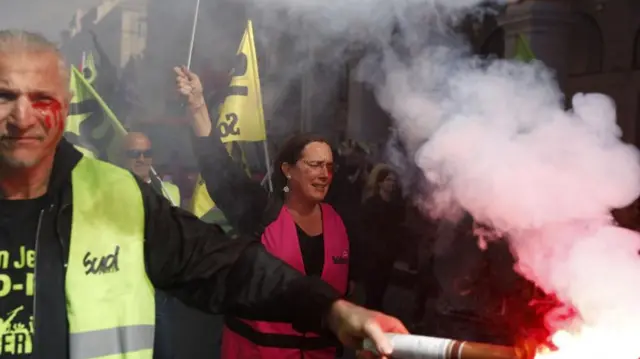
pixel 50 113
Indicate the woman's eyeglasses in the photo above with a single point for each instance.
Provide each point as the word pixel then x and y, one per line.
pixel 133 154
pixel 319 165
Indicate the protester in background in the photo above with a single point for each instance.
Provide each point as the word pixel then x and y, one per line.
pixel 101 241
pixel 352 175
pixel 345 196
pixel 383 214
pixel 295 224
pixel 138 158
pixel 372 185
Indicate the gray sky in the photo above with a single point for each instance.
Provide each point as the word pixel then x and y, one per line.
pixel 49 17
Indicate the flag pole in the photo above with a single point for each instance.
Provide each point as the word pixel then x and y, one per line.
pixel 193 34
pixel 266 177
pixel 165 192
pixel 261 109
pixel 191 44
pixel 193 39
pixel 268 162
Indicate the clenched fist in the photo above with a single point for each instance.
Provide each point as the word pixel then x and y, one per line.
pixel 190 86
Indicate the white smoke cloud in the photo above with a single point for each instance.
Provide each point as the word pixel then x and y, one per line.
pixel 493 139
pixel 502 146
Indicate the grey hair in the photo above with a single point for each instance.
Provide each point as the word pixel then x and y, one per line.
pixel 14 40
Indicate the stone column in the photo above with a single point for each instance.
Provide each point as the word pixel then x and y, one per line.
pixel 545 24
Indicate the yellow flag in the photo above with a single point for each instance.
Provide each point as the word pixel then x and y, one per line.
pixel 201 202
pixel 90 124
pixel 241 118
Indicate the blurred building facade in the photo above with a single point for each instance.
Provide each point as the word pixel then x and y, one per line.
pixel 593 45
pixel 120 26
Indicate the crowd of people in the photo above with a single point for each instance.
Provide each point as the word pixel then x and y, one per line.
pixel 88 244
pixel 338 214
pixel 343 218
pixel 115 254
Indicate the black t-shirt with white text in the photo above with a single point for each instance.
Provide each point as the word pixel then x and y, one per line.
pixel 18 228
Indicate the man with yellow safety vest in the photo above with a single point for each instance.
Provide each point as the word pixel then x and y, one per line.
pixel 84 244
pixel 138 158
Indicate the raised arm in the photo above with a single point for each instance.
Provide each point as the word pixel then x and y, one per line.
pixel 243 201
pixel 108 72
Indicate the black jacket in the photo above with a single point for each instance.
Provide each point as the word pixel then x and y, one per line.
pixel 246 205
pixel 185 257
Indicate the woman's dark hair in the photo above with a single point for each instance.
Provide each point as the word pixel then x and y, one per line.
pixel 291 152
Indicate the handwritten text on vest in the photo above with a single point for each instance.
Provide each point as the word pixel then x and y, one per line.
pixel 101 265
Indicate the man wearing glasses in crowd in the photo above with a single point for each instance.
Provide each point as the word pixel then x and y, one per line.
pixel 138 158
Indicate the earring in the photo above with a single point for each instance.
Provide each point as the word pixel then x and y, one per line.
pixel 286 187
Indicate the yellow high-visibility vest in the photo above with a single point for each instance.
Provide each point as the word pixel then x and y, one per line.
pixel 110 299
pixel 173 192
